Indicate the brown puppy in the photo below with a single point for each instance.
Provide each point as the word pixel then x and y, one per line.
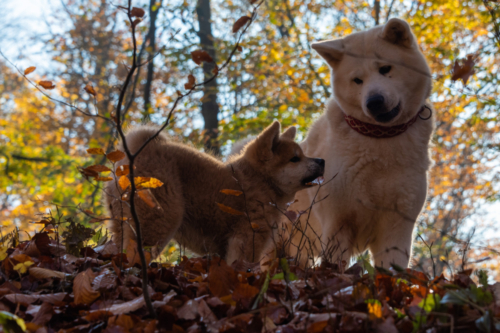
pixel 269 171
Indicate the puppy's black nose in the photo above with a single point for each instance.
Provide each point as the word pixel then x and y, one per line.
pixel 375 104
pixel 320 162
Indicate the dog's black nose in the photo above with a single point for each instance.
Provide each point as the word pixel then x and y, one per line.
pixel 375 104
pixel 320 162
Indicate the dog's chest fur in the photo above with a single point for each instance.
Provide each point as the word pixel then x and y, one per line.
pixel 374 177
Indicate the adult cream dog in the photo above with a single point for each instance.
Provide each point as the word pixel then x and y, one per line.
pixel 374 136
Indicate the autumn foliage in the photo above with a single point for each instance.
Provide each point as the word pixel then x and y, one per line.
pixel 59 124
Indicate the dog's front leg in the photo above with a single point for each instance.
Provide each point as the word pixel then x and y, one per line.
pixel 393 244
pixel 249 246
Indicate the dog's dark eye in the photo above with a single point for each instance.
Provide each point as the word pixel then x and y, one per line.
pixel 384 70
pixel 358 81
pixel 295 159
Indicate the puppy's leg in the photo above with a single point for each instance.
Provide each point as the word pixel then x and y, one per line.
pixel 393 244
pixel 248 245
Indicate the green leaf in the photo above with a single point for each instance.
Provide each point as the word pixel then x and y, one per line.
pixel 11 323
pixel 430 303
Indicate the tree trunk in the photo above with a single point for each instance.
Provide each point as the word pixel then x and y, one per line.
pixel 209 106
pixel 153 14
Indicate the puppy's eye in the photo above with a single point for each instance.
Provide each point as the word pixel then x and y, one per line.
pixel 384 70
pixel 358 81
pixel 295 159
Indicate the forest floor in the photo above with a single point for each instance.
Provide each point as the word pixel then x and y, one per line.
pixel 53 283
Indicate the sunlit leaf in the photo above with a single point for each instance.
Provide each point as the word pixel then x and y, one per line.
pixel 124 182
pixel 116 156
pixel 22 267
pixel 147 182
pixel 231 192
pixel 30 69
pixel 229 210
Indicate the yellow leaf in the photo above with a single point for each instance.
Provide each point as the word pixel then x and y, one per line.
pixel 147 182
pixel 229 210
pixel 3 253
pixel 30 69
pixel 22 267
pixel 96 151
pixel 231 192
pixel 124 182
pixel 115 156
pixel 375 309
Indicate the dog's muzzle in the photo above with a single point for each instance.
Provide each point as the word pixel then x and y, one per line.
pixel 376 106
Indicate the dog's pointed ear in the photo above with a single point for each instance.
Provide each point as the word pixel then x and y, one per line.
pixel 289 133
pixel 331 50
pixel 398 32
pixel 267 141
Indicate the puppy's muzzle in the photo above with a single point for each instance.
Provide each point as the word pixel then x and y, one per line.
pixel 377 108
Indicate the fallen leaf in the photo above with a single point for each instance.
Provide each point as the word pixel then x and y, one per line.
pixel 221 277
pixel 240 23
pixel 29 299
pixel 11 323
pixel 82 288
pixel 244 290
pixel 30 69
pixel 126 307
pixel 255 226
pixel 22 267
pixel 44 273
pixel 229 210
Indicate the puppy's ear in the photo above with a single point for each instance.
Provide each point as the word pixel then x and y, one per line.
pixel 398 32
pixel 331 50
pixel 267 141
pixel 289 133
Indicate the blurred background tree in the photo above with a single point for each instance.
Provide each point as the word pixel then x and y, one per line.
pixel 274 76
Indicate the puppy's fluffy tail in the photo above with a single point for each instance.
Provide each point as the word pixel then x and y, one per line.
pixel 138 135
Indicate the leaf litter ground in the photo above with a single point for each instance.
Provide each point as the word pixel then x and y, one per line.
pixel 50 287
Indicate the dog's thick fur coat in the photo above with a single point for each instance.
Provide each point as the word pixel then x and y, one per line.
pixel 379 76
pixel 192 183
